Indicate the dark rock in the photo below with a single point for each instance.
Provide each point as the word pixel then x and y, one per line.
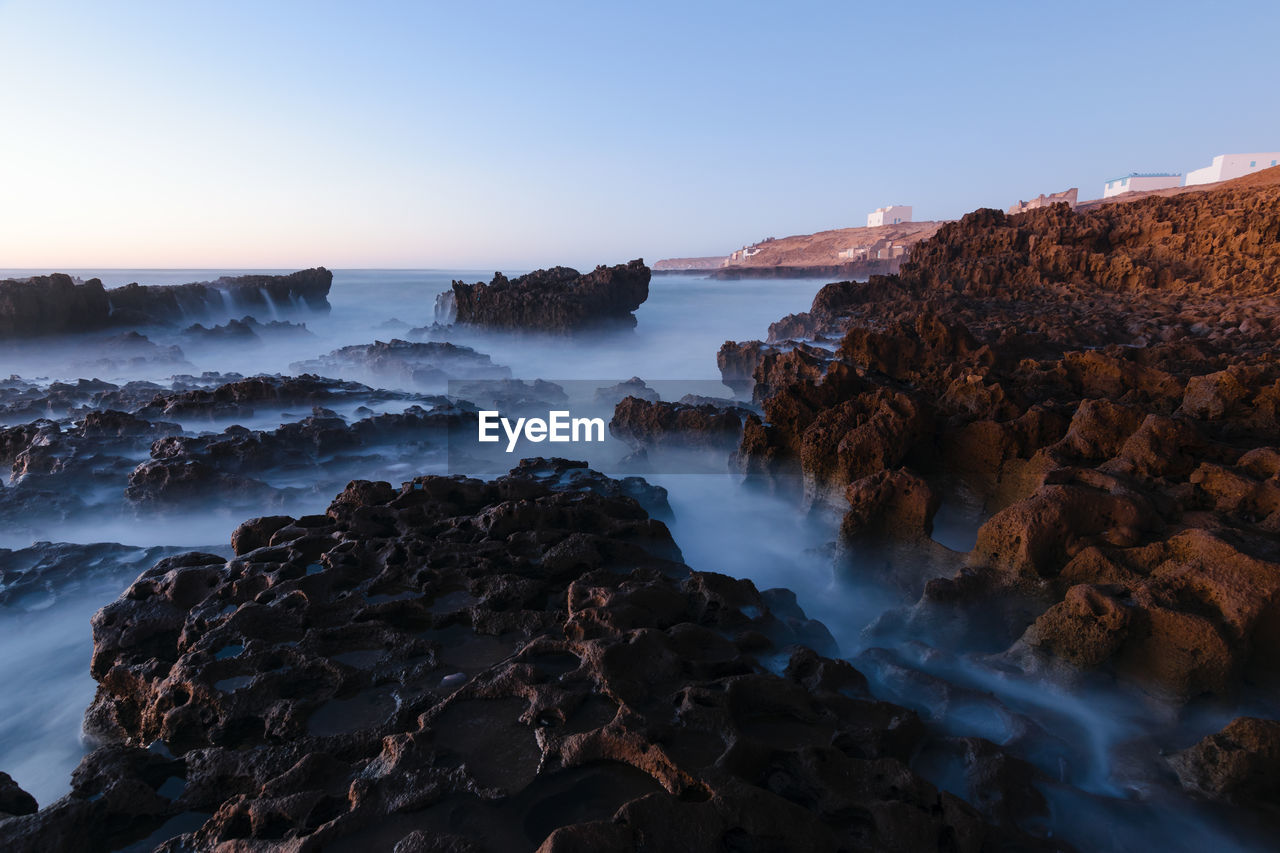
pixel 14 800
pixel 256 533
pixel 57 304
pixel 559 299
pixel 1240 764
pixel 633 387
pixel 246 330
pixel 416 364
pixel 239 397
pixel 453 664
pixel 644 423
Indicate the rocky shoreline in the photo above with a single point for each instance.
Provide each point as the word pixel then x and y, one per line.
pixel 57 304
pixel 447 663
pixel 851 270
pixel 1103 389
pixel 500 665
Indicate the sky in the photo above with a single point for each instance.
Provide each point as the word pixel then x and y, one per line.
pixel 486 135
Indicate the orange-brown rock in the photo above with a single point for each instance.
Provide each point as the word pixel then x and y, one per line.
pixel 1240 764
pixel 896 504
pixel 1105 382
pixel 645 423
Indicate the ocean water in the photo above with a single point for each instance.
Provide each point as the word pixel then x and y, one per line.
pixel 1095 743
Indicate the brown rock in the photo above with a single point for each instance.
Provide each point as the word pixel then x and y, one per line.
pixel 897 504
pixel 1240 764
pixel 1086 628
pixel 256 533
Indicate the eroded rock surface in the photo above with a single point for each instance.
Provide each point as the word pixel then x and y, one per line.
pixel 647 424
pixel 1106 383
pixel 559 299
pixel 463 665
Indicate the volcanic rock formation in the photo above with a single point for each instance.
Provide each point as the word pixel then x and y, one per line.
pixel 646 423
pixel 57 304
pixel 463 665
pixel 1105 382
pixel 559 300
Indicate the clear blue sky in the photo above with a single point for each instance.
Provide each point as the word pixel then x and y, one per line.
pixel 511 135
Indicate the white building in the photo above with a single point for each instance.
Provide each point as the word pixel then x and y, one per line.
pixel 891 215
pixel 1227 166
pixel 1136 182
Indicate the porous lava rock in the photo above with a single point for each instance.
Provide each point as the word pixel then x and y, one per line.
pixel 649 424
pixel 1101 385
pixel 1240 764
pixel 465 665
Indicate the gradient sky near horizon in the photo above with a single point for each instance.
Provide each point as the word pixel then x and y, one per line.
pixel 512 135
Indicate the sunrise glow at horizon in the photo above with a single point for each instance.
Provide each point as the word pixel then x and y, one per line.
pixel 512 135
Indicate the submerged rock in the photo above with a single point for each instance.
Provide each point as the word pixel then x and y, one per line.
pixel 246 330
pixel 239 397
pixel 414 364
pixel 233 468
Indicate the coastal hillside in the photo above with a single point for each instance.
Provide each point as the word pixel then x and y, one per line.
pixel 861 252
pixel 1261 178
pixel 816 254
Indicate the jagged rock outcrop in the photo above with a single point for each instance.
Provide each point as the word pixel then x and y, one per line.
pixel 559 300
pixel 653 424
pixel 463 665
pixel 1106 383
pixel 57 304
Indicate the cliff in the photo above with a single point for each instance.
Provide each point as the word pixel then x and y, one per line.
pixel 1226 239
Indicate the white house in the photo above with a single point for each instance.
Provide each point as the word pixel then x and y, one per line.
pixel 1141 182
pixel 891 215
pixel 1227 166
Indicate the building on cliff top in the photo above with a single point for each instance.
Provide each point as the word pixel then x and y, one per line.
pixel 1136 182
pixel 1069 197
pixel 891 215
pixel 1227 166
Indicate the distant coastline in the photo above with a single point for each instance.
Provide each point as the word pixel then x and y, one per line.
pixel 846 271
pixel 844 252
pixel 856 253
